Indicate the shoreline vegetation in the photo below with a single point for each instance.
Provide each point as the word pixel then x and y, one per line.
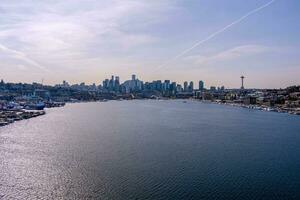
pixel 10 116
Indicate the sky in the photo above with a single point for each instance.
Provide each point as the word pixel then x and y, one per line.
pixel 210 40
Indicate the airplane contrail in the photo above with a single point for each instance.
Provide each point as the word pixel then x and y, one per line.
pixel 21 56
pixel 216 33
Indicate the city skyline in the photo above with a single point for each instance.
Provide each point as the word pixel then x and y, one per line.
pixel 200 84
pixel 85 41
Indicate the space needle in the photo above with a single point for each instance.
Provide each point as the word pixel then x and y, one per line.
pixel 242 78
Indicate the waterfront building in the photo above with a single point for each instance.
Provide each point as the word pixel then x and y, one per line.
pixel 44 94
pixel 249 100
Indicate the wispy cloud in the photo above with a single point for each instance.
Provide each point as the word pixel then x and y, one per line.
pixel 229 54
pixel 61 32
pixel 21 56
pixel 87 40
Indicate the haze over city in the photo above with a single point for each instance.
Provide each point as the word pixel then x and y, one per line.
pixel 87 41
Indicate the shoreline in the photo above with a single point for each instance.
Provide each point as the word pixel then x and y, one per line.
pixel 10 116
pixel 251 107
pixel 262 108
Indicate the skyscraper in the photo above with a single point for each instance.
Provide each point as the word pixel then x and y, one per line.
pixel 166 85
pixel 191 86
pixel 185 86
pixel 111 83
pixel 133 77
pixel 178 88
pixel 201 85
pixel 117 84
pixel 173 87
pixel 105 84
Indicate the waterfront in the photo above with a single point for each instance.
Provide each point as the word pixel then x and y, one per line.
pixel 150 149
pixel 7 117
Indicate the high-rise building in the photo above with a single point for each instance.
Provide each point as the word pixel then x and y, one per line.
pixel 166 85
pixel 133 85
pixel 105 84
pixel 191 86
pixel 117 78
pixel 173 87
pixel 201 85
pixel 178 88
pixel 158 85
pixel 133 77
pixel 185 86
pixel 117 84
pixel 111 83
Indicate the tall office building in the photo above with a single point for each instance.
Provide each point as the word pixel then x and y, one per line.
pixel 201 85
pixel 117 84
pixel 191 86
pixel 185 86
pixel 105 84
pixel 133 77
pixel 173 87
pixel 132 85
pixel 166 85
pixel 117 80
pixel 111 83
pixel 158 85
pixel 178 88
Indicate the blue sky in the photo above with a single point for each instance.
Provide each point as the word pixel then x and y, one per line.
pixel 89 40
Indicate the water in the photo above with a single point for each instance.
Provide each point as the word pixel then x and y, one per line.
pixel 151 150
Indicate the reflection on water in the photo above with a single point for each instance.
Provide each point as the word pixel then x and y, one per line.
pixel 151 150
